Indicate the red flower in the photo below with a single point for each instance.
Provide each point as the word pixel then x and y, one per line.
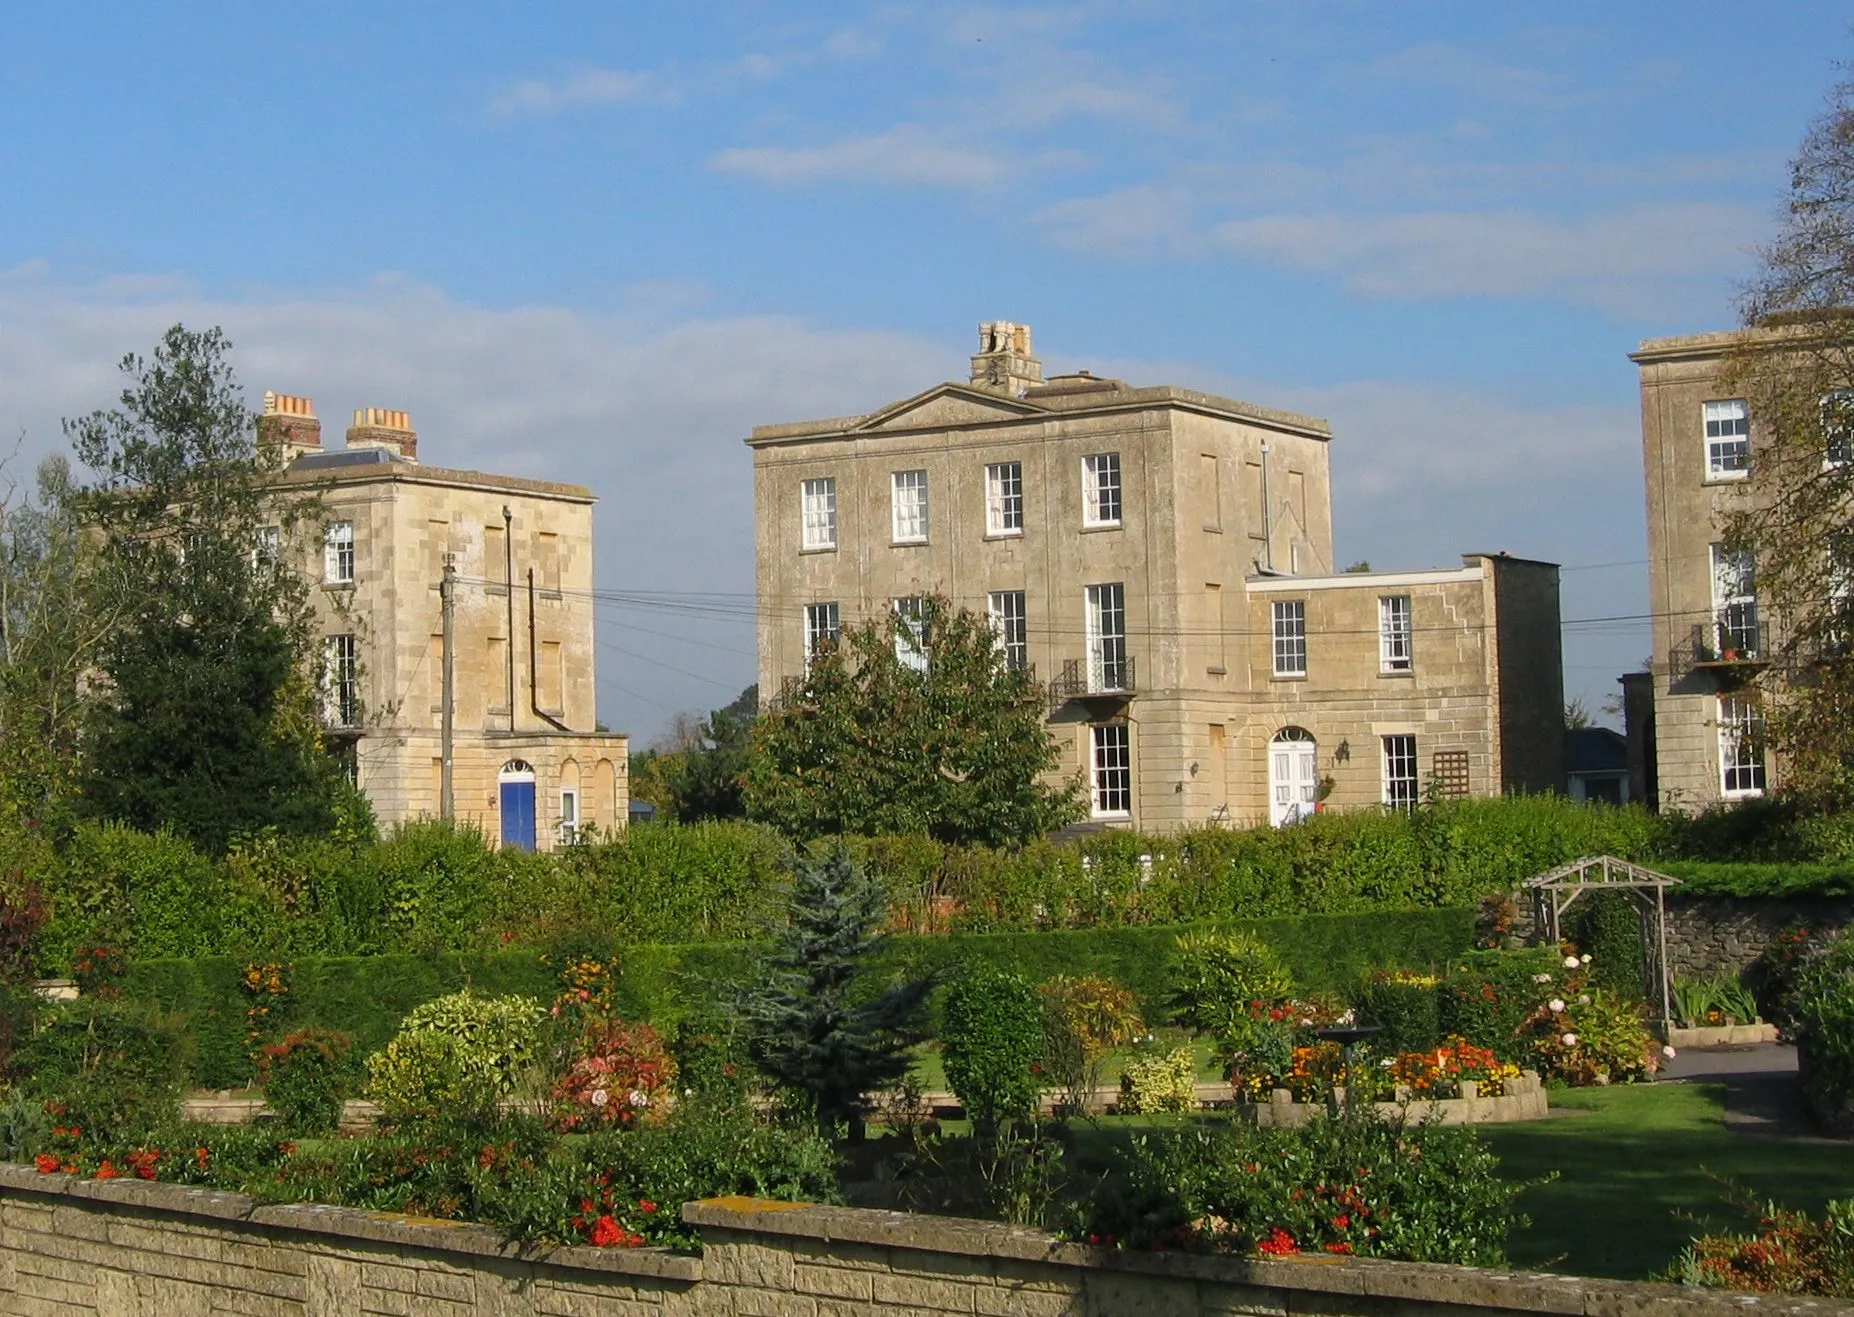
pixel 202 1156
pixel 107 1171
pixel 1277 1243
pixel 47 1163
pixel 1340 1247
pixel 645 1206
pixel 1341 1221
pixel 606 1232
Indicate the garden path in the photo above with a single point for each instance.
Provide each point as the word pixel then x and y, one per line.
pixel 1762 1096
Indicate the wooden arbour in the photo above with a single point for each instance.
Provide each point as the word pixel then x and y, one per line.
pixel 1557 890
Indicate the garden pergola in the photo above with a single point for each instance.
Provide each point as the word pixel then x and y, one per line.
pixel 1557 890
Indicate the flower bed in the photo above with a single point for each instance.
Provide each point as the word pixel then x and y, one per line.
pixel 1522 1098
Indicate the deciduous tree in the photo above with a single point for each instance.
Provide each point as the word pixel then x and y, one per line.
pixel 1795 368
pixel 952 744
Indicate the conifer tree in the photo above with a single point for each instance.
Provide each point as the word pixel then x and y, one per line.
pixel 810 1019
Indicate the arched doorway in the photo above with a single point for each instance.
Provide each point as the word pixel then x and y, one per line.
pixel 517 790
pixel 1293 776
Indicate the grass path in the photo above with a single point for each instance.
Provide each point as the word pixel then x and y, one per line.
pixel 1631 1161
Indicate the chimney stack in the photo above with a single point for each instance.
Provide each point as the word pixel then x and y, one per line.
pixel 1004 362
pixel 381 427
pixel 288 424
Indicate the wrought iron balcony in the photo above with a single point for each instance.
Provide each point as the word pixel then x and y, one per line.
pixel 1730 647
pixel 1093 678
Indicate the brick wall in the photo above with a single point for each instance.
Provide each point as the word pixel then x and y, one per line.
pixel 128 1248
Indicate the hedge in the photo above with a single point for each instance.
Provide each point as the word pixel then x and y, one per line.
pixel 365 997
pixel 1748 881
pixel 434 887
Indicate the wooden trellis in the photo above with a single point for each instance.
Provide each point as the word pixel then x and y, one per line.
pixel 1556 890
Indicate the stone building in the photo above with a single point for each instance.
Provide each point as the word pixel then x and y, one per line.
pixel 1709 637
pixel 1163 559
pixel 528 763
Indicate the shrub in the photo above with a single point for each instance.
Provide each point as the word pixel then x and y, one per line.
pixel 455 1057
pixel 1776 971
pixel 1403 1006
pixel 991 1040
pixel 1157 1082
pixel 1789 1253
pixel 1607 926
pixel 103 1070
pixel 306 1076
pixel 1489 997
pixel 1217 975
pixel 1590 1036
pixel 1345 1185
pixel 621 1076
pixel 1083 1019
pixel 1822 1007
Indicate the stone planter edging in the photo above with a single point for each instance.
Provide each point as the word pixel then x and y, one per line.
pixel 1719 1035
pixel 1524 1099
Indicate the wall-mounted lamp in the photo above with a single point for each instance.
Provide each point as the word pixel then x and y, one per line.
pixel 1342 753
pixel 1194 768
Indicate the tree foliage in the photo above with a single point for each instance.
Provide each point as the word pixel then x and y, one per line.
pixel 866 744
pixel 699 775
pixel 204 713
pixel 1795 367
pixel 811 1020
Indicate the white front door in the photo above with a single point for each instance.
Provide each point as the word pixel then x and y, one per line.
pixel 1293 780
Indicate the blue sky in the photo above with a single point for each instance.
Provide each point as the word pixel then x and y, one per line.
pixel 599 242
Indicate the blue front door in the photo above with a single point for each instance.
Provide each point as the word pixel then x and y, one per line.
pixel 518 815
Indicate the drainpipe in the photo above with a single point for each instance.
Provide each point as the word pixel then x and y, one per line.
pixel 1268 534
pixel 508 577
pixel 534 666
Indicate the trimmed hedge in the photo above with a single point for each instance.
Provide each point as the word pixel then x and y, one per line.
pixel 1746 881
pixel 365 997
pixel 433 887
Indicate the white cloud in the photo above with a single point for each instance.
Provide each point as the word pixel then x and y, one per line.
pixel 1617 260
pixel 592 87
pixel 905 155
pixel 646 407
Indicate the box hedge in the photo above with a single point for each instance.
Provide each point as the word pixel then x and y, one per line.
pixel 365 997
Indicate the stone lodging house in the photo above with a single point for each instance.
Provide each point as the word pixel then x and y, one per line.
pixel 529 764
pixel 1163 559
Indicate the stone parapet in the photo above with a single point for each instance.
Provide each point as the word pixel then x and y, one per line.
pixel 128 1247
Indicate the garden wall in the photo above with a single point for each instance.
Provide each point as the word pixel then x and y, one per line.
pixel 1710 934
pixel 117 1248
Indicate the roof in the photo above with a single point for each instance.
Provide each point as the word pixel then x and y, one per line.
pixel 344 466
pixel 954 405
pixel 1595 750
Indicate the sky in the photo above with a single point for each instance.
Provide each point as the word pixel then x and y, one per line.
pixel 599 242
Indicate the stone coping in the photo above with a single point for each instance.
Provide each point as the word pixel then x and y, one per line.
pixel 345 1223
pixel 1519 1291
pixel 1718 1035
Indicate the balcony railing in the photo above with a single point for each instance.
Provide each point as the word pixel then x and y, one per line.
pixel 1094 677
pixel 1735 640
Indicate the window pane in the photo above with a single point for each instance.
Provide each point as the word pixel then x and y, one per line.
pixel 342 694
pixel 1107 637
pixel 1101 490
pixel 1728 437
pixel 1838 427
pixel 909 505
pixel 1004 498
pixel 338 552
pixel 1734 601
pixel 1394 654
pixel 820 514
pixel 820 627
pixel 1009 622
pixel 911 634
pixel 1290 618
pixel 1400 784
pixel 1741 746
pixel 1113 770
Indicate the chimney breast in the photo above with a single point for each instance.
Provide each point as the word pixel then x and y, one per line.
pixel 382 427
pixel 289 426
pixel 1004 361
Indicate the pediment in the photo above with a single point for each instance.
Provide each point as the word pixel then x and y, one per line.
pixel 947 406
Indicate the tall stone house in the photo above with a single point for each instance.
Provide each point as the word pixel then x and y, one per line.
pixel 1697 709
pixel 1162 558
pixel 529 765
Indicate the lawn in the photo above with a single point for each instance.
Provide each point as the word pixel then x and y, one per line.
pixel 1632 1162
